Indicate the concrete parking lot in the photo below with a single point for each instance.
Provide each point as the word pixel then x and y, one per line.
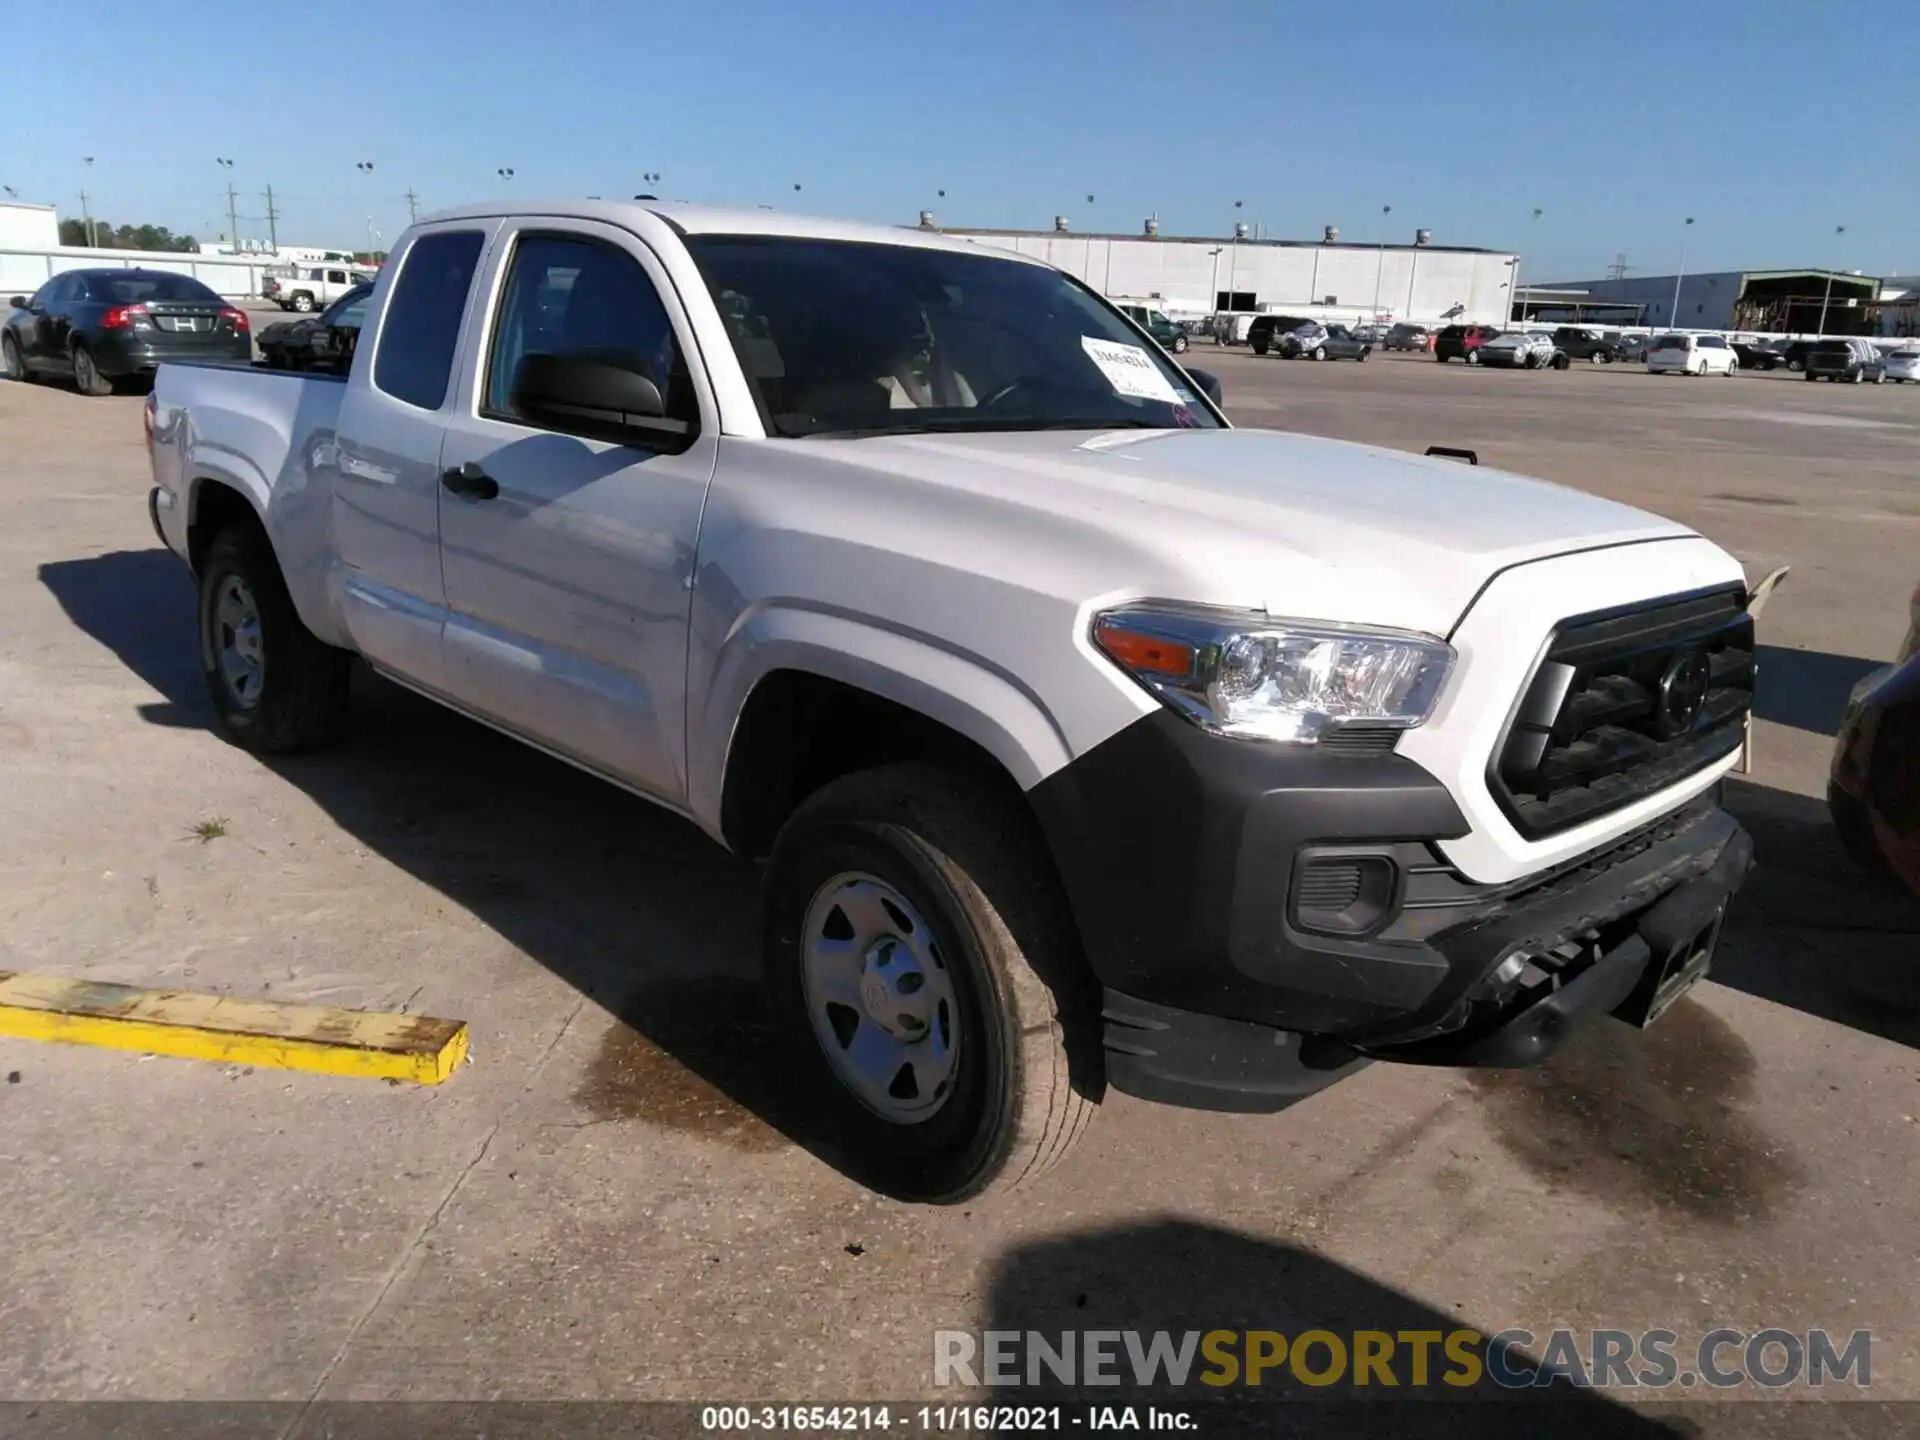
pixel 613 1201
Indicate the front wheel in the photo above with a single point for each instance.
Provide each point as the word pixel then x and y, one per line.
pixel 929 984
pixel 275 686
pixel 303 302
pixel 1319 352
pixel 1179 344
pixel 1472 357
pixel 1259 349
pixel 11 362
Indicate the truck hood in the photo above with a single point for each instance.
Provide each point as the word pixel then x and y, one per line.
pixel 1274 519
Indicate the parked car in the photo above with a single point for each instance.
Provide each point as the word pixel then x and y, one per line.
pixel 1691 355
pixel 100 326
pixel 1265 332
pixel 1759 354
pixel 1902 364
pixel 1850 360
pixel 323 341
pixel 1633 348
pixel 1580 342
pixel 1407 337
pixel 310 287
pixel 1170 335
pixel 1793 354
pixel 1023 839
pixel 1519 349
pixel 1314 341
pixel 1462 342
pixel 1873 789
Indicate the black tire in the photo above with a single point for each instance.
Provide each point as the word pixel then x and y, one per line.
pixel 87 378
pixel 1856 377
pixel 300 698
pixel 1811 376
pixel 1472 357
pixel 303 302
pixel 12 363
pixel 1259 349
pixel 1362 356
pixel 1441 358
pixel 1027 1074
pixel 1319 352
pixel 1796 365
pixel 1179 344
pixel 1854 827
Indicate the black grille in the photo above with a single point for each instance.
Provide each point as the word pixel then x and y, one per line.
pixel 1610 716
pixel 1328 887
pixel 1360 740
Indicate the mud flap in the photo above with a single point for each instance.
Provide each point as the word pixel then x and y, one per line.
pixel 1756 602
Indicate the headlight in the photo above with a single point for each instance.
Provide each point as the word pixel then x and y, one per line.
pixel 1268 679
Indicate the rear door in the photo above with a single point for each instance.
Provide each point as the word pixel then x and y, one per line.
pixel 393 423
pixel 569 584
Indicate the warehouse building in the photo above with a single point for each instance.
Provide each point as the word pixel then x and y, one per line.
pixel 1191 276
pixel 1777 302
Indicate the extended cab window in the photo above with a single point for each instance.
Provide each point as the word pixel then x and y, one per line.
pixel 851 338
pixel 580 298
pixel 421 326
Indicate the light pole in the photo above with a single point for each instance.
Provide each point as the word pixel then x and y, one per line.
pixel 1515 299
pixel 1380 260
pixel 233 215
pixel 1233 266
pixel 86 214
pixel 1826 299
pixel 1673 318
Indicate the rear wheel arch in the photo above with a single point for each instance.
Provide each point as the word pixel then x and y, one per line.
pixel 214 507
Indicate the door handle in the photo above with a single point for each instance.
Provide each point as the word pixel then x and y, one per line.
pixel 470 480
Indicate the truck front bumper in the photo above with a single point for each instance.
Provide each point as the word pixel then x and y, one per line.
pixel 1263 922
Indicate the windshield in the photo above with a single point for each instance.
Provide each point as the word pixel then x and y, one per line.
pixel 841 337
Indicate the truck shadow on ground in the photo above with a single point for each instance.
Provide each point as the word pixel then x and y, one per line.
pixel 1180 1276
pixel 1806 689
pixel 659 926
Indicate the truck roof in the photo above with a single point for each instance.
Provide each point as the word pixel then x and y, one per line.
pixel 724 220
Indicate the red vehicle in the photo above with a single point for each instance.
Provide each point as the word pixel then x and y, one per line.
pixel 1461 342
pixel 1874 790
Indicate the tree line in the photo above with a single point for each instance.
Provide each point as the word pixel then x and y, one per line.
pixel 126 237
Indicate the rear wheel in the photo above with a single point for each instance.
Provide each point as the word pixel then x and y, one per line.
pixel 275 686
pixel 1473 357
pixel 1179 344
pixel 87 378
pixel 1319 352
pixel 303 302
pixel 929 982
pixel 1259 349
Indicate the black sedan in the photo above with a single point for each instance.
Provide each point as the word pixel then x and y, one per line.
pixel 1873 791
pixel 318 342
pixel 99 326
pixel 1758 355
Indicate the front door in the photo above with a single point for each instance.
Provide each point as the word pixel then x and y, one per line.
pixel 568 558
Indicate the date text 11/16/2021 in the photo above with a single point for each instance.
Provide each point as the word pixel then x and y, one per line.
pixel 942 1419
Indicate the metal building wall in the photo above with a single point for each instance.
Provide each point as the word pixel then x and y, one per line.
pixel 1414 284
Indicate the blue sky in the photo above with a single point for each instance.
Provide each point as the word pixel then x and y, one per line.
pixel 1770 122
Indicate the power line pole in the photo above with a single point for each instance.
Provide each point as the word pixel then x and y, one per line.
pixel 86 218
pixel 273 222
pixel 233 220
pixel 413 206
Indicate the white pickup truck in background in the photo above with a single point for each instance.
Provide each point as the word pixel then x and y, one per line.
pixel 1087 740
pixel 310 287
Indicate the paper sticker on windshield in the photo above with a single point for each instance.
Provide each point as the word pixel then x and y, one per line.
pixel 1130 370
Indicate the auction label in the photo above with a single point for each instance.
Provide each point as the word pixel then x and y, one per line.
pixel 1130 370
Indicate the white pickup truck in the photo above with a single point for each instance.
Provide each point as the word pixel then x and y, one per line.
pixel 1087 739
pixel 306 288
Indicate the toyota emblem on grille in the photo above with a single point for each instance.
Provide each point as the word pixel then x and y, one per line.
pixel 1683 690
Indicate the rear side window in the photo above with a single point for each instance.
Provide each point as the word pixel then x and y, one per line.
pixel 1712 342
pixel 422 325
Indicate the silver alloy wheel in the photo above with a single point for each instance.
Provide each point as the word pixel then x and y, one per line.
pixel 85 373
pixel 10 354
pixel 236 642
pixel 880 997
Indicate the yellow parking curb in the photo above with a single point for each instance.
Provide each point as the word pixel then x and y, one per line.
pixel 369 1043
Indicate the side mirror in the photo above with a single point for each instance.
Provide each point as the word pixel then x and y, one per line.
pixel 573 392
pixel 1208 382
pixel 19 302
